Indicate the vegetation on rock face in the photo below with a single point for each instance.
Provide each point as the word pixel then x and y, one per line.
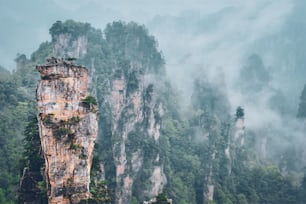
pixel 69 27
pixel 90 103
pixel 161 199
pixel 32 186
pixel 74 120
pixel 100 192
pixel 239 113
pixel 60 132
pixel 15 107
pixel 90 100
pixel 44 51
pixel 131 42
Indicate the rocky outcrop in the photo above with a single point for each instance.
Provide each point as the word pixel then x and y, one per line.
pixel 68 127
pixel 136 118
pixel 66 45
pixel 157 180
pixel 239 132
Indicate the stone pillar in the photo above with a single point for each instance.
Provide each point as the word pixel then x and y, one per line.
pixel 68 127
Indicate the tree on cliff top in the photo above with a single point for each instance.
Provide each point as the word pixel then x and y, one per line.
pixel 70 27
pixel 133 42
pixel 239 113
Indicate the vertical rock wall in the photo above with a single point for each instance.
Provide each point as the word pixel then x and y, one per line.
pixel 68 128
pixel 66 46
pixel 239 132
pixel 135 114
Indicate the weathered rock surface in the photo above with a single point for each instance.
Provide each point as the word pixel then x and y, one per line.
pixel 67 46
pixel 68 128
pixel 136 119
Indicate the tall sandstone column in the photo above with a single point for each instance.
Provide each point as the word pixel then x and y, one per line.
pixel 68 127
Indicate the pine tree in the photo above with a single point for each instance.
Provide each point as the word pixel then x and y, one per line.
pixel 32 187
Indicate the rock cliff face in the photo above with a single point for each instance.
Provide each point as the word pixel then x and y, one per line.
pixel 239 132
pixel 67 46
pixel 68 127
pixel 136 130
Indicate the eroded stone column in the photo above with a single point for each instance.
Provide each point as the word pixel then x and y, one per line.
pixel 68 126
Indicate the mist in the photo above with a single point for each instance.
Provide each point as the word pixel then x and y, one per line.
pixel 197 38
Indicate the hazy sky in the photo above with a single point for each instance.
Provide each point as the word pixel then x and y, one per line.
pixel 25 24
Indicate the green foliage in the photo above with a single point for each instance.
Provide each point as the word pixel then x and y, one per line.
pixel 44 51
pixel 161 198
pixel 132 42
pixel 31 165
pixel 133 83
pixel 239 113
pixel 179 152
pixel 48 119
pixel 74 146
pixel 3 197
pixel 50 76
pixel 25 76
pixel 14 110
pixel 74 120
pixel 60 132
pixel 100 192
pixel 90 100
pixel 134 201
pixel 42 186
pixel 69 27
pixel 267 185
pixel 8 91
pixel 100 188
pixel 221 197
pixel 241 199
pixel 32 146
